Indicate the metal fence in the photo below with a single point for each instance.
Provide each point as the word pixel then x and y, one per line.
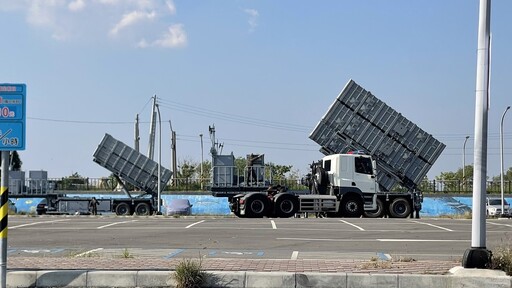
pixel 105 184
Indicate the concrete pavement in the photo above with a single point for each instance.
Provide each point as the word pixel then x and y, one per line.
pixel 150 272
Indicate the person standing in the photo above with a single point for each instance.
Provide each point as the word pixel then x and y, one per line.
pixel 93 205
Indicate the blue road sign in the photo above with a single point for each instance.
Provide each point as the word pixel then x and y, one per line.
pixel 12 116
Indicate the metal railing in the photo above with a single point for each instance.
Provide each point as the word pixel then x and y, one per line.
pixel 105 184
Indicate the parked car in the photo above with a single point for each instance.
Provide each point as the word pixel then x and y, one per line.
pixel 178 207
pixel 42 207
pixel 493 207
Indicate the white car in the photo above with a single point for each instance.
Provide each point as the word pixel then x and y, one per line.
pixel 493 206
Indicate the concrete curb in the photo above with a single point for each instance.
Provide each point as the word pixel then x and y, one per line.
pixel 240 279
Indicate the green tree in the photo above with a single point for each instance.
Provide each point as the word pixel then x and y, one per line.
pixel 186 173
pixel 74 182
pixel 453 181
pixel 507 181
pixel 278 171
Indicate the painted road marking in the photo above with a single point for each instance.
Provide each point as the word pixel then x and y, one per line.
pixel 499 224
pixel 372 240
pixel 238 253
pixel 35 223
pixel 353 225
pixel 194 224
pixel 384 256
pixel 295 255
pixel 432 225
pixel 273 224
pixel 326 239
pixel 112 224
pixel 420 240
pixel 88 252
pixel 174 254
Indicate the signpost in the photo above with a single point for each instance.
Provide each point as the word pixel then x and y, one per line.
pixel 12 137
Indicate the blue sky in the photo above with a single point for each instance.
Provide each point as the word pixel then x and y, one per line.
pixel 264 72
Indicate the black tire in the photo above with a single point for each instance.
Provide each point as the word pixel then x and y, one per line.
pixel 376 213
pixel 123 209
pixel 286 206
pixel 400 208
pixel 257 206
pixel 320 180
pixel 142 209
pixel 351 207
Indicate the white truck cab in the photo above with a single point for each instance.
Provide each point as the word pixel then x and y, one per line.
pixel 352 173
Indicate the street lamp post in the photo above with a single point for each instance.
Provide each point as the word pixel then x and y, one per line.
pixel 159 210
pixel 201 176
pixel 501 161
pixel 464 164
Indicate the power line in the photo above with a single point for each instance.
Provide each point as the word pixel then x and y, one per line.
pixel 172 105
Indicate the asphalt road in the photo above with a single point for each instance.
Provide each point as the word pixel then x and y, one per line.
pixel 292 238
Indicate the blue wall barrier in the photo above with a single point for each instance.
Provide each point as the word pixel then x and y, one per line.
pixel 209 205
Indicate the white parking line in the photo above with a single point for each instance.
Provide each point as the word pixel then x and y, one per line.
pixel 194 224
pixel 295 254
pixel 35 223
pixel 432 225
pixel 112 224
pixel 273 224
pixel 499 224
pixel 353 225
pixel 88 252
pixel 420 240
pixel 328 240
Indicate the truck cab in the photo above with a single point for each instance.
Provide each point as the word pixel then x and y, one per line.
pixel 352 175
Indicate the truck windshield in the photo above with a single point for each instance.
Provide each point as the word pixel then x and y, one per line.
pixel 363 165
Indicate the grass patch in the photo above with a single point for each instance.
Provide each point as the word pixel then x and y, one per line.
pixel 502 259
pixel 375 263
pixel 189 274
pixel 126 254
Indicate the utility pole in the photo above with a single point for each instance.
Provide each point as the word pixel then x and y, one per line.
pixel 173 153
pixel 502 188
pixel 202 161
pixel 152 128
pixel 464 164
pixel 137 137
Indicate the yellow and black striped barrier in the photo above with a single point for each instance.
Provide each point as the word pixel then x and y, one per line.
pixel 4 211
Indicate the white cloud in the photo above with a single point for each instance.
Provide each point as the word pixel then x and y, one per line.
pixel 171 6
pixel 60 20
pixel 175 37
pixel 253 18
pixel 41 12
pixel 76 5
pixel 130 19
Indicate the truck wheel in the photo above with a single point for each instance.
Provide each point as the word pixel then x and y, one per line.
pixel 400 208
pixel 286 206
pixel 257 206
pixel 123 209
pixel 376 213
pixel 142 209
pixel 351 207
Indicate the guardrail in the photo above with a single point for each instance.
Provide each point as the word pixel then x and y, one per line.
pixel 54 185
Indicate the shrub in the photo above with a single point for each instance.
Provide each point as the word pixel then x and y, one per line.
pixel 189 274
pixel 502 259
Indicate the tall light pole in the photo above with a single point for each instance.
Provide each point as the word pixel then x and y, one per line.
pixel 501 161
pixel 478 256
pixel 201 176
pixel 159 212
pixel 464 164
